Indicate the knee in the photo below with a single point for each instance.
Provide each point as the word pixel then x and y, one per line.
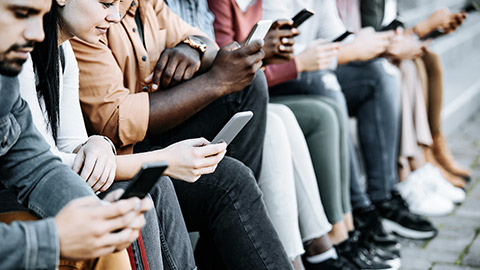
pixel 235 178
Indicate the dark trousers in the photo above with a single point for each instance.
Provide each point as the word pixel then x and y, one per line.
pixel 226 207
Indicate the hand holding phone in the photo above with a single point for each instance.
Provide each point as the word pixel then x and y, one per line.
pixel 144 180
pixel 259 30
pixel 233 127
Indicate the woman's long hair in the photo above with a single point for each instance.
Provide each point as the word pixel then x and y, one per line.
pixel 46 58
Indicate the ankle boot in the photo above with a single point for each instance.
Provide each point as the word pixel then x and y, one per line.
pixel 445 158
pixel 454 179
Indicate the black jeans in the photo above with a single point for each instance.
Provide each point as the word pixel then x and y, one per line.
pixel 247 146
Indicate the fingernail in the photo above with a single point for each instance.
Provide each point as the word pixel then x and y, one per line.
pixel 281 47
pixel 154 86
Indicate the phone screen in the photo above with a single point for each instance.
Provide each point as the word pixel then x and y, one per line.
pixel 342 36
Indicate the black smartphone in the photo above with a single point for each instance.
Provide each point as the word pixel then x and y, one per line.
pixel 393 25
pixel 145 179
pixel 471 7
pixel 301 17
pixel 342 36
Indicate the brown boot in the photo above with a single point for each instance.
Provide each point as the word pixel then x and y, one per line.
pixel 445 158
pixel 454 179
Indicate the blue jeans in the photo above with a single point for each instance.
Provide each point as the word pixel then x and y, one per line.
pixel 373 96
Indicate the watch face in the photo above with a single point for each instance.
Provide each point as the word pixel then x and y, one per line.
pixel 197 43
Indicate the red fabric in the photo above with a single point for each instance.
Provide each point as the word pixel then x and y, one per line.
pixel 231 24
pixel 131 257
pixel 143 253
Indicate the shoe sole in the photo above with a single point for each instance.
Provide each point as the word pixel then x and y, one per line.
pixel 398 229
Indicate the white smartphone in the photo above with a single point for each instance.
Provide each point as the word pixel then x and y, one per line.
pixel 233 127
pixel 259 30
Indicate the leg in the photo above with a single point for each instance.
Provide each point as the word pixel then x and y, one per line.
pixel 372 95
pixel 320 128
pixel 277 184
pixel 227 208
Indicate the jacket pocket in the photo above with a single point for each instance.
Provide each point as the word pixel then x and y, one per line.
pixel 9 133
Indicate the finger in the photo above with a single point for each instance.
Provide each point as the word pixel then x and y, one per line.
pixel 189 72
pixel 114 195
pixel 103 178
pixel 168 72
pixel 157 74
pixel 79 159
pixel 252 48
pixel 97 172
pixel 198 141
pixel 285 33
pixel 205 170
pixel 180 72
pixel 88 167
pixel 257 66
pixel 111 178
pixel 120 238
pixel 149 78
pixel 117 209
pixel 281 23
pixel 211 160
pixel 287 41
pixel 231 47
pixel 285 49
pixel 211 149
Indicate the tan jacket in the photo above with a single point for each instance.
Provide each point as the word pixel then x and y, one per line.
pixel 113 96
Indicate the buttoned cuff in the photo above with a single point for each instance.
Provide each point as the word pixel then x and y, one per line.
pixel 133 117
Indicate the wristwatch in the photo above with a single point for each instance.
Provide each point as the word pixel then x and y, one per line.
pixel 196 43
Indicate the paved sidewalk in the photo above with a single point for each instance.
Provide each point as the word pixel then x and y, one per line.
pixel 457 245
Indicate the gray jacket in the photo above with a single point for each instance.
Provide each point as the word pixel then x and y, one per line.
pixel 39 180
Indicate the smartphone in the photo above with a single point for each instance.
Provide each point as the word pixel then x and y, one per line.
pixel 301 16
pixel 471 7
pixel 233 127
pixel 393 25
pixel 259 30
pixel 342 36
pixel 145 179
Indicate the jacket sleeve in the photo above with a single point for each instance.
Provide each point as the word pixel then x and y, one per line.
pixel 28 168
pixel 29 245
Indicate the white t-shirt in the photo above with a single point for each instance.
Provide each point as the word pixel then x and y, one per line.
pixel 325 24
pixel 71 130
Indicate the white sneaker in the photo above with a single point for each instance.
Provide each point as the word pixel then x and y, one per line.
pixel 434 180
pixel 422 201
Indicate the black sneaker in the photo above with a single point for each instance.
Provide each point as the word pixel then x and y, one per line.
pixel 376 254
pixel 398 219
pixel 359 256
pixel 367 221
pixel 331 264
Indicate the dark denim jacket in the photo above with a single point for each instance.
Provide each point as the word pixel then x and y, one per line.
pixel 40 181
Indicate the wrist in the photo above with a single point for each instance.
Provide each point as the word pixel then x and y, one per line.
pixel 114 150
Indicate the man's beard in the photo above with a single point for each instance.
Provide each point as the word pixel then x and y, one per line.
pixel 12 66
